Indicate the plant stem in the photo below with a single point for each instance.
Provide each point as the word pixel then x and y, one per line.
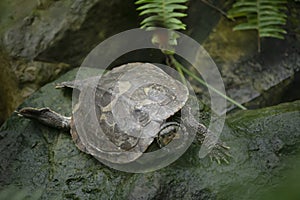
pixel 178 65
pixel 216 8
pixel 258 43
pixel 178 68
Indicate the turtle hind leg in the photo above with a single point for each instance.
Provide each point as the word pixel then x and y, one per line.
pixel 47 117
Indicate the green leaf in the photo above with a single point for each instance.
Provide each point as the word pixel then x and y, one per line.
pixel 176 14
pixel 150 11
pixel 176 7
pixel 147 6
pixel 175 1
pixel 265 16
pixel 245 26
pixel 273 30
pixel 162 13
pixel 264 24
pixel 270 34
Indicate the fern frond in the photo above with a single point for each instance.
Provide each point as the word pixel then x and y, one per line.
pixel 162 13
pixel 265 16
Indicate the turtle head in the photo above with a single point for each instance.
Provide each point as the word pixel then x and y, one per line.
pixel 167 133
pixel 46 116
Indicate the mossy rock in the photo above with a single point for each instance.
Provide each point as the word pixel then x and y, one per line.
pixel 45 161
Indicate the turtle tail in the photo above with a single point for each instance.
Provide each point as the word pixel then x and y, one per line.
pixel 47 117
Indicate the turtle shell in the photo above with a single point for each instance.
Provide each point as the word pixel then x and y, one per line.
pixel 118 116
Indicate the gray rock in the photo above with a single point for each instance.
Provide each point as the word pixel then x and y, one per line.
pixel 19 78
pixel 65 31
pixel 46 161
pixel 251 78
pixel 41 39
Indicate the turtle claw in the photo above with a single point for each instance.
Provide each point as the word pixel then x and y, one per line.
pixel 219 160
pixel 220 154
pixel 212 158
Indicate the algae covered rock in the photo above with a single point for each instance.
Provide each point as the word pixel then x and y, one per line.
pixel 45 161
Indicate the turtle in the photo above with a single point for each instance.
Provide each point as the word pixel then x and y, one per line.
pixel 118 116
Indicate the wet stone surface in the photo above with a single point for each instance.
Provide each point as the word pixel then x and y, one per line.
pixel 34 157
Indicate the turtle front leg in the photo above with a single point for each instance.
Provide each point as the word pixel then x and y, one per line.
pixel 212 146
pixel 47 117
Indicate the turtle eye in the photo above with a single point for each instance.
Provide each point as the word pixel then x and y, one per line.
pixel 141 116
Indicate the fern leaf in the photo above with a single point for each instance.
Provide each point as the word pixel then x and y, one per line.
pixel 265 16
pixel 162 13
